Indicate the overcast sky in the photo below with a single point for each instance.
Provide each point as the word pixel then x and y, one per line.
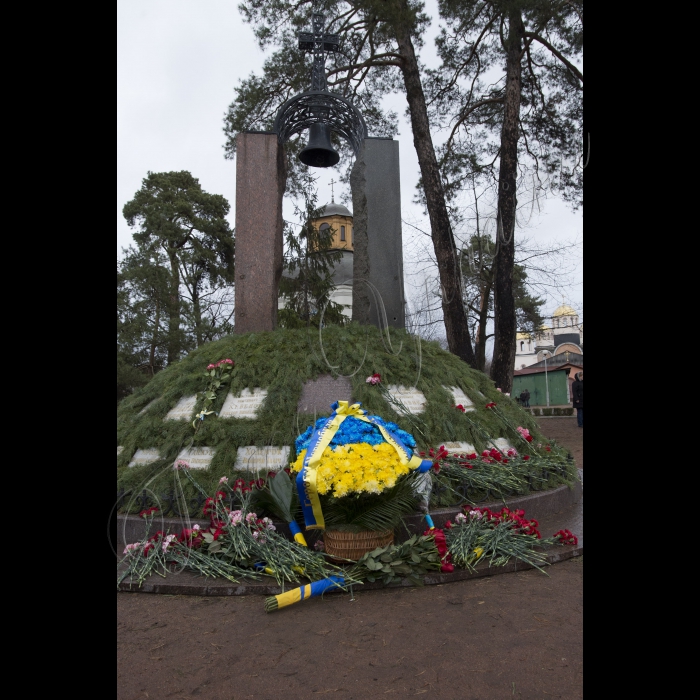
pixel 178 62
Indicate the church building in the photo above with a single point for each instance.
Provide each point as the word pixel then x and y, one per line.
pixel 566 336
pixel 340 219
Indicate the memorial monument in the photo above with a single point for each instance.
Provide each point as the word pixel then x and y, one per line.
pixel 283 379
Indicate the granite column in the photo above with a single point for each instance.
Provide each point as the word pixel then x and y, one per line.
pixel 378 257
pixel 260 184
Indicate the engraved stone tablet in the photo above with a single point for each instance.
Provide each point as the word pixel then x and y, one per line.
pixel 318 395
pixel 262 459
pixel 461 399
pixel 244 406
pixel 412 399
pixel 145 457
pixel 184 409
pixel 198 457
pixel 460 448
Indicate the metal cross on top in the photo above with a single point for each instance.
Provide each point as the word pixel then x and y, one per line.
pixel 319 44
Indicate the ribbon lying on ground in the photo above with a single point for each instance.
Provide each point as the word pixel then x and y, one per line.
pixel 313 590
pixel 307 480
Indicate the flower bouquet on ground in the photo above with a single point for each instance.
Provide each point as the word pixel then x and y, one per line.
pixel 237 544
pixel 356 477
pixel 480 535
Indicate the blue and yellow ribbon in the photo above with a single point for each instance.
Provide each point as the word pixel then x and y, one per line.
pixel 307 481
pixel 298 535
pixel 313 590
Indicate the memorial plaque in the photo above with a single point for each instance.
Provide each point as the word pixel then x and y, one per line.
pixel 461 399
pixel 412 399
pixel 198 457
pixel 184 409
pixel 460 448
pixel 262 459
pixel 320 394
pixel 244 406
pixel 145 457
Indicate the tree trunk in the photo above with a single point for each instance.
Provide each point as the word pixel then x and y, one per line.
pixel 174 309
pixel 505 323
pixel 456 323
pixel 154 339
pixel 481 335
pixel 197 311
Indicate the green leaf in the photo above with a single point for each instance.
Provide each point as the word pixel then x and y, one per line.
pixel 282 492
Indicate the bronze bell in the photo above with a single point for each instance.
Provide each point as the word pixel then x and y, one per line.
pixel 319 153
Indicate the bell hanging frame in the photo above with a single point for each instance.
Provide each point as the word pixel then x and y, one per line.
pixel 321 107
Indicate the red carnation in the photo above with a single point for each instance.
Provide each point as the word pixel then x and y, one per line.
pixel 526 457
pixel 441 543
pixel 148 513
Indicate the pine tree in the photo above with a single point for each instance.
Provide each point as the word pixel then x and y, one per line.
pixel 176 217
pixel 478 269
pixel 510 92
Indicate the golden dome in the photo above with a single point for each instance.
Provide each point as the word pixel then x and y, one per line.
pixel 524 336
pixel 544 328
pixel 565 310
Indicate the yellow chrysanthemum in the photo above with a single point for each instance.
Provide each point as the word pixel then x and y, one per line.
pixel 358 468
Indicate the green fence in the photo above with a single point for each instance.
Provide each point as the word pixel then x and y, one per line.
pixel 536 384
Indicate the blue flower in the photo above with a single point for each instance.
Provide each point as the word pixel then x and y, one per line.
pixel 354 431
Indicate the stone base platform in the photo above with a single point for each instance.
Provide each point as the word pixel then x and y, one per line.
pixel 539 505
pixel 190 584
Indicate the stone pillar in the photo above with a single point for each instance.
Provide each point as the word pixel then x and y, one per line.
pixel 260 184
pixel 376 192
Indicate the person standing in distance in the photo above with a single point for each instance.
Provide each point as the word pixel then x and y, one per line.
pixel 577 389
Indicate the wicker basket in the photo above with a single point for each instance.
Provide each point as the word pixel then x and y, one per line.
pixel 354 545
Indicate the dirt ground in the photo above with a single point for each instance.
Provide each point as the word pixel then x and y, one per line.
pixel 510 636
pixel 567 433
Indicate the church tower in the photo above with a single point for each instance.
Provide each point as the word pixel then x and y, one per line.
pixel 340 219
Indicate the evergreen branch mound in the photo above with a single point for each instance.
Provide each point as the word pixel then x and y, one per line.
pixel 281 362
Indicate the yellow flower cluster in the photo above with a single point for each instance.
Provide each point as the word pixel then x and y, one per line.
pixel 358 468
